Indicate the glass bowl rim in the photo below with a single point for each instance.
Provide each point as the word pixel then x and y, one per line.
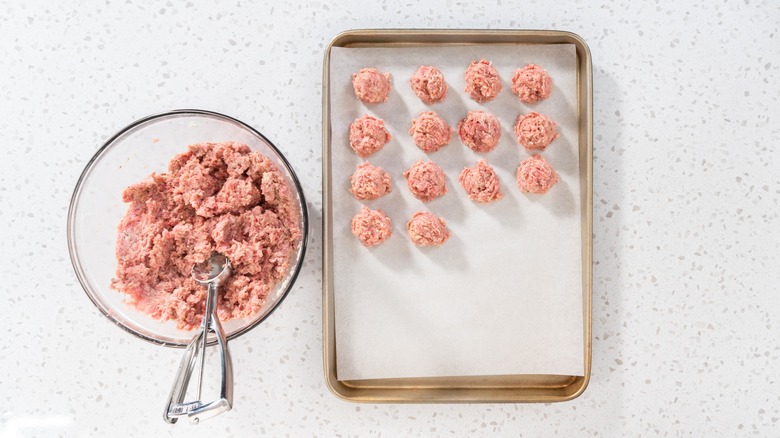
pixel 76 263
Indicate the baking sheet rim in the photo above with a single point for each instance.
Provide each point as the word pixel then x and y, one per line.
pixel 523 388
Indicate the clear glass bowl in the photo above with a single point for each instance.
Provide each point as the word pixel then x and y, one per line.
pixel 96 209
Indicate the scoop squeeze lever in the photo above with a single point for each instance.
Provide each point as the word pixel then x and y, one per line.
pixel 211 273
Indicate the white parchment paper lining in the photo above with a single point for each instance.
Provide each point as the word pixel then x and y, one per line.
pixel 504 294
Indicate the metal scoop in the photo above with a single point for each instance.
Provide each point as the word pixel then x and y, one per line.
pixel 211 273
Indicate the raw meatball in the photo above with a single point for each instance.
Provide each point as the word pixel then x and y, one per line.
pixel 429 85
pixel 371 86
pixel 426 180
pixel 215 197
pixel 480 131
pixel 482 81
pixel 426 229
pixel 369 182
pixel 430 132
pixel 535 131
pixel 531 83
pixel 367 135
pixel 371 227
pixel 535 175
pixel 480 182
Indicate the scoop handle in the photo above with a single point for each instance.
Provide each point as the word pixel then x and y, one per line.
pixel 196 351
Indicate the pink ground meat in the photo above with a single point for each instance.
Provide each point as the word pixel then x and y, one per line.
pixel 426 180
pixel 426 229
pixel 371 227
pixel 480 182
pixel 369 182
pixel 371 86
pixel 535 131
pixel 215 197
pixel 482 81
pixel 428 84
pixel 535 175
pixel 480 131
pixel 368 135
pixel 531 83
pixel 430 132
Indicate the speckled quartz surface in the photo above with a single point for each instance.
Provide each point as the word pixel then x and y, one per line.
pixel 686 297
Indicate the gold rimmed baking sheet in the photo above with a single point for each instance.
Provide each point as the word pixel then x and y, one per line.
pixel 498 388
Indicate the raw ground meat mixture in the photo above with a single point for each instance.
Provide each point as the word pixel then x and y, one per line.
pixel 535 131
pixel 480 131
pixel 367 135
pixel 215 197
pixel 369 182
pixel 371 86
pixel 427 229
pixel 480 182
pixel 371 227
pixel 430 132
pixel 426 180
pixel 482 81
pixel 535 175
pixel 428 84
pixel 531 83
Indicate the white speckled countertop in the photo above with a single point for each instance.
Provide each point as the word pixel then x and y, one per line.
pixel 686 298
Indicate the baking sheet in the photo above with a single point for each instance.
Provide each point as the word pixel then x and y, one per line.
pixel 504 294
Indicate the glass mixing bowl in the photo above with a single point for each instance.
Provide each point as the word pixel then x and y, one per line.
pixel 96 209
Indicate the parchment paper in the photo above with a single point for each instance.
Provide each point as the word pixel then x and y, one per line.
pixel 504 294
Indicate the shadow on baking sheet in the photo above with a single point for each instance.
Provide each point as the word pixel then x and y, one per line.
pixel 395 113
pixel 395 253
pixel 451 203
pixel 455 100
pixel 507 154
pixel 559 201
pixel 562 155
pixel 505 212
pixel 450 255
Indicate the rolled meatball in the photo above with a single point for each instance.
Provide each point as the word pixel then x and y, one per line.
pixel 371 86
pixel 430 132
pixel 371 227
pixel 482 81
pixel 535 131
pixel 429 85
pixel 480 182
pixel 426 180
pixel 532 83
pixel 427 229
pixel 369 182
pixel 368 135
pixel 535 175
pixel 480 131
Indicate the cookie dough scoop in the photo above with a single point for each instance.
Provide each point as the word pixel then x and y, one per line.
pixel 211 273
